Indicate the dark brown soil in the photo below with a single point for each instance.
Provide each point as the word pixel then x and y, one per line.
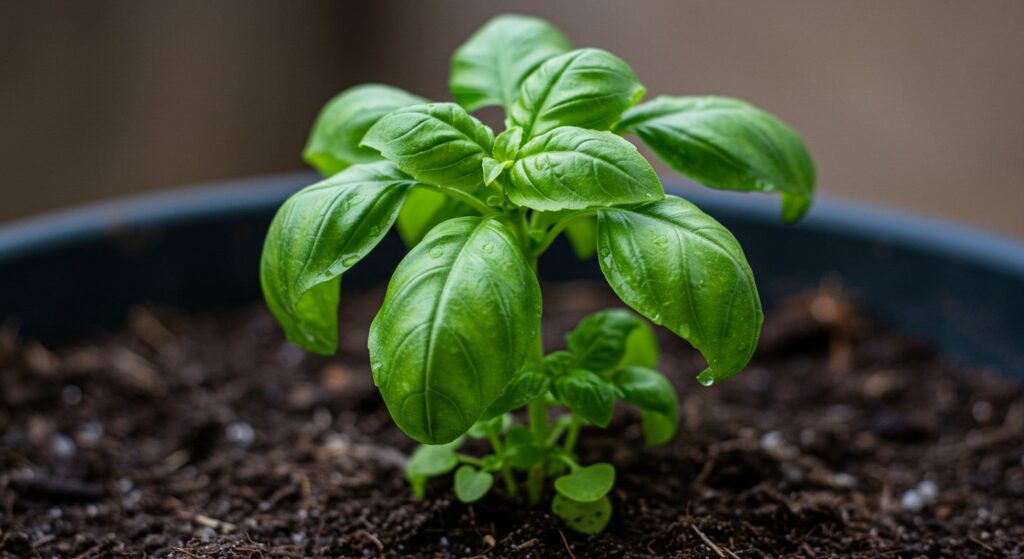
pixel 205 435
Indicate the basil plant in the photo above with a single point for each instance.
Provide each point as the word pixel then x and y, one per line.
pixel 456 348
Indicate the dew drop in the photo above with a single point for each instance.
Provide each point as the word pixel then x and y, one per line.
pixel 487 247
pixel 436 252
pixel 706 378
pixel 605 251
pixel 349 261
pixel 661 240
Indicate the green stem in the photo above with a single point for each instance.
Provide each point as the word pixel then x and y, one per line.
pixel 471 460
pixel 506 470
pixel 479 206
pixel 574 434
pixel 559 226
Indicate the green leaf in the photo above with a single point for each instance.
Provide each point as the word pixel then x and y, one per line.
pixel 489 67
pixel 529 384
pixel 650 391
pixel 487 427
pixel 438 143
pixel 458 319
pixel 339 128
pixel 430 461
pixel 679 267
pixel 425 209
pixel 507 144
pixel 522 450
pixel 587 484
pixel 318 234
pixel 493 169
pixel 588 395
pixel 471 485
pixel 587 518
pixel 599 341
pixel 727 144
pixel 558 363
pixel 642 348
pixel 582 234
pixel 588 88
pixel 573 169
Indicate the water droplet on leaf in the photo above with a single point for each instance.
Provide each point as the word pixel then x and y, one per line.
pixel 436 252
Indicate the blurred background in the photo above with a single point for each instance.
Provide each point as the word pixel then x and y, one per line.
pixel 917 104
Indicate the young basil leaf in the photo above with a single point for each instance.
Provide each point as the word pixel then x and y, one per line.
pixel 678 267
pixel 438 143
pixel 487 427
pixel 599 341
pixel 659 428
pixel 471 485
pixel 318 234
pixel 522 450
pixel 588 395
pixel 339 128
pixel 727 144
pixel 650 391
pixel 507 144
pixel 582 234
pixel 430 461
pixel 573 169
pixel 587 484
pixel 558 363
pixel 587 518
pixel 423 210
pixel 588 88
pixel 641 348
pixel 493 169
pixel 458 319
pixel 529 384
pixel 488 68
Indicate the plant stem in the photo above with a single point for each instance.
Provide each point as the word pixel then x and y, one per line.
pixel 506 470
pixel 479 206
pixel 574 434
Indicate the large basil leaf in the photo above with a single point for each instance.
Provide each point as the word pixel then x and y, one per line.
pixel 318 234
pixel 598 342
pixel 438 143
pixel 458 319
pixel 650 391
pixel 589 88
pixel 339 128
pixel 489 67
pixel 678 267
pixel 573 168
pixel 423 210
pixel 727 144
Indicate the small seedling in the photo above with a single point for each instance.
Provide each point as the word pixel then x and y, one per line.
pixel 456 348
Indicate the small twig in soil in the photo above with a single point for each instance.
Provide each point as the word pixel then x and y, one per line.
pixel 718 550
pixel 981 543
pixel 185 552
pixel 566 542
pixel 373 539
pixel 203 520
pixel 709 463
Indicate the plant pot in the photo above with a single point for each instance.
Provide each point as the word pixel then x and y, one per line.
pixel 66 272
pixel 742 476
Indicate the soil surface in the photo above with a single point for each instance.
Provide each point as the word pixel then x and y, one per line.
pixel 203 434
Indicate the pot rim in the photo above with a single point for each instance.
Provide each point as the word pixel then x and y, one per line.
pixel 258 193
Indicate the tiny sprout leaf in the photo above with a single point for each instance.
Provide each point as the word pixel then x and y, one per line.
pixel 507 144
pixel 471 485
pixel 437 143
pixel 317 235
pixel 588 395
pixel 488 427
pixel 727 144
pixel 493 169
pixel 430 461
pixel 529 384
pixel 458 318
pixel 587 518
pixel 573 169
pixel 558 363
pixel 588 88
pixel 587 484
pixel 599 341
pixel 488 68
pixel 339 128
pixel 650 391
pixel 678 267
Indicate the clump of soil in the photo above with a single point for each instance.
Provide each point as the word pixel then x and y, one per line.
pixel 203 434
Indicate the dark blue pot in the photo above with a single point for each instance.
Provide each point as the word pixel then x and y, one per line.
pixel 74 271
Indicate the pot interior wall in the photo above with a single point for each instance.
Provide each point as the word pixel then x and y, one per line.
pixel 73 272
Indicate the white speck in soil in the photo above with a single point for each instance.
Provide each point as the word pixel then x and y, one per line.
pixel 444 541
pixel 912 501
pixel 71 395
pixel 63 446
pixel 322 418
pixel 55 512
pixel 90 433
pixel 844 480
pixel 206 534
pixel 240 434
pixel 929 491
pixel 982 411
